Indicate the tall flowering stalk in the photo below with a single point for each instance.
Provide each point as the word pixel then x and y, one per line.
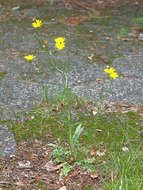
pixel 67 96
pixel 113 75
pixel 73 138
pixel 38 24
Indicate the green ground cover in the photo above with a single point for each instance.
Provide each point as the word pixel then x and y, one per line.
pixel 109 144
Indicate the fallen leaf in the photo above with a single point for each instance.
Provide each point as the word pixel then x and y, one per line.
pixel 126 39
pixel 94 175
pixel 91 56
pixel 4 182
pixel 104 149
pixel 24 164
pixel 99 79
pixel 20 184
pixel 140 30
pixel 51 167
pixel 108 38
pixel 132 34
pixel 92 152
pixel 99 153
pixel 125 149
pixel 63 188
pixel 94 112
pixel 77 19
pixel 38 178
pixel 33 157
pixel 86 101
pixel 15 8
pixel 103 47
pixel 98 130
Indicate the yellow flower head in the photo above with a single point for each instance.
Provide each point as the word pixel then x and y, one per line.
pixel 113 75
pixel 60 43
pixel 109 71
pixel 29 57
pixel 38 23
pixel 46 42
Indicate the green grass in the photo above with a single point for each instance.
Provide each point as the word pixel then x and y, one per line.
pixel 2 74
pixel 138 20
pixel 121 170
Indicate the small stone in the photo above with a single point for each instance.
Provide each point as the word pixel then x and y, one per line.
pixel 125 149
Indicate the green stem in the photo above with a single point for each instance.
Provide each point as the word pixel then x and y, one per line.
pixel 102 98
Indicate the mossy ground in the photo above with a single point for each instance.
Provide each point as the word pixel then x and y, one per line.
pixel 109 132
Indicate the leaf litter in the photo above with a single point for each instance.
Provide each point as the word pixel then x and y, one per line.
pixel 40 171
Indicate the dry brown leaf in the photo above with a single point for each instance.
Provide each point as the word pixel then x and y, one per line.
pixel 108 38
pixel 103 47
pixel 98 130
pixel 99 153
pixel 140 30
pixel 99 79
pixel 91 56
pixel 126 39
pixel 94 112
pixel 125 149
pixel 94 175
pixel 4 182
pixel 34 157
pixel 51 167
pixel 86 101
pixel 24 164
pixel 77 19
pixel 92 152
pixel 116 175
pixel 63 188
pixel 20 184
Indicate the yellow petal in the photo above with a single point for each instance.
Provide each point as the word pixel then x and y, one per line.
pixel 113 75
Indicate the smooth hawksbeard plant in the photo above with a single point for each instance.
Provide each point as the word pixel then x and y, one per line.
pixel 37 24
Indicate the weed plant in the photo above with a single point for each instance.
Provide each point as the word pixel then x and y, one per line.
pixel 109 145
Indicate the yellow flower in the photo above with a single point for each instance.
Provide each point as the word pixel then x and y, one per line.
pixel 37 23
pixel 46 42
pixel 29 57
pixel 109 71
pixel 113 75
pixel 60 43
